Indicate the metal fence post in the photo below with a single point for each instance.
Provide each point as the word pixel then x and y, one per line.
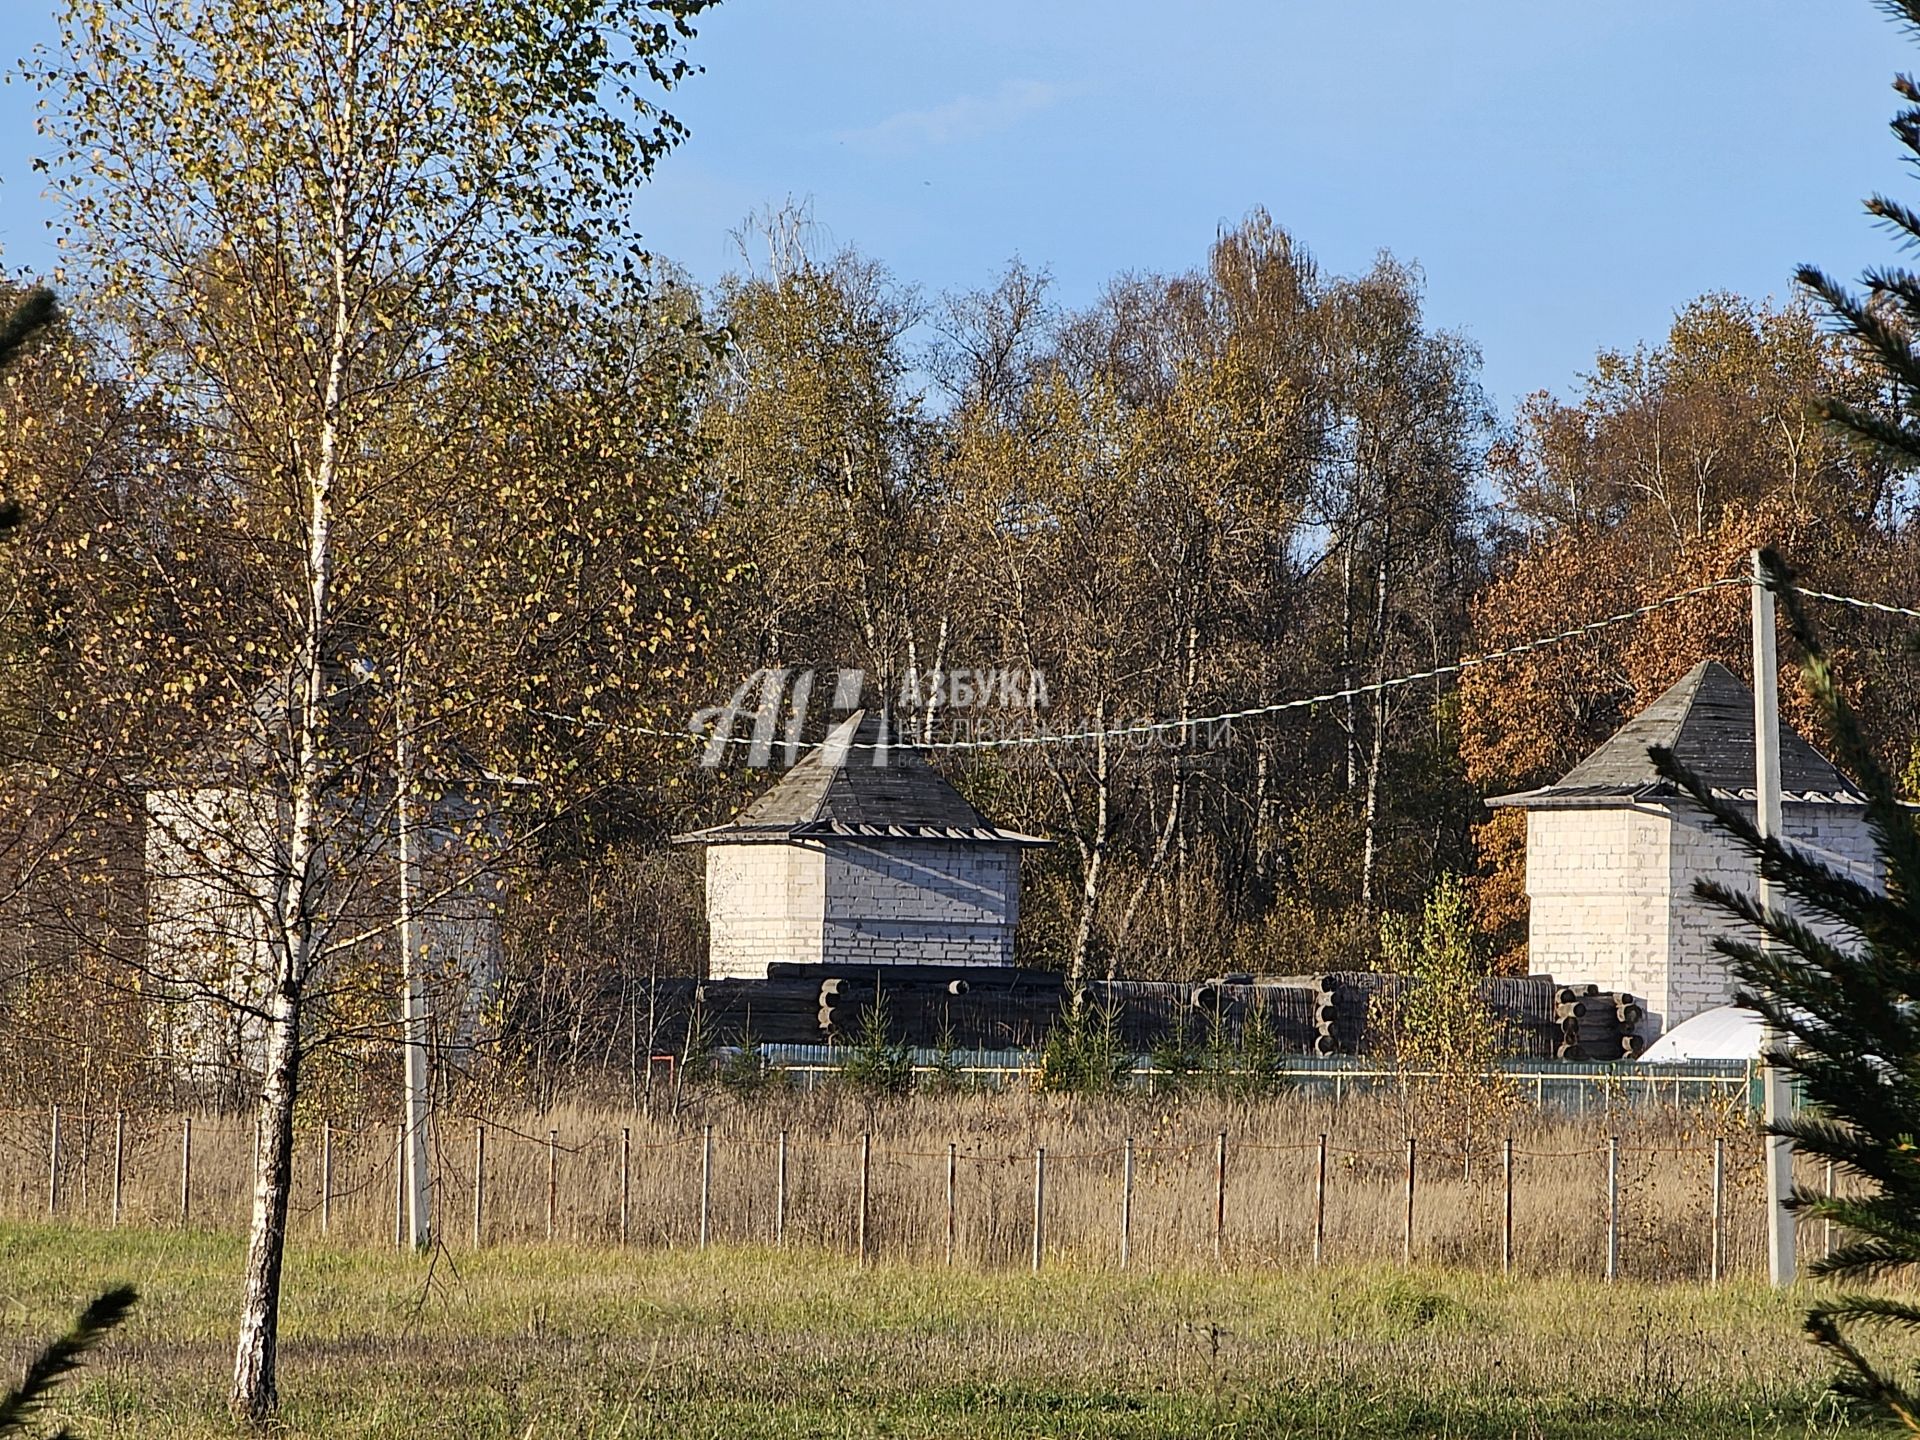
pixel 1613 1207
pixel 400 1187
pixel 479 1184
pixel 326 1176
pixel 780 1191
pixel 1220 1198
pixel 1126 1204
pixel 53 1164
pixel 866 1180
pixel 1506 1206
pixel 626 1178
pixel 1406 1247
pixel 119 1159
pixel 953 1178
pixel 186 1169
pixel 553 1181
pixel 1715 1261
pixel 706 1184
pixel 1320 1203
pixel 1826 1226
pixel 1039 1205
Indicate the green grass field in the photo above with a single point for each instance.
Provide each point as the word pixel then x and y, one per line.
pixel 528 1342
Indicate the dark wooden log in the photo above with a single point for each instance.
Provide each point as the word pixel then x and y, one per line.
pixel 979 976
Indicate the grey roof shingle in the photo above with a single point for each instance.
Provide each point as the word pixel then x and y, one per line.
pixel 1707 721
pixel 859 783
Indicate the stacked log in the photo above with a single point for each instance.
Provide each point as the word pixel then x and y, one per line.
pixel 1146 1013
pixel 982 1007
pixel 1597 1024
pixel 1363 1002
pixel 1326 1009
pixel 974 1007
pixel 1526 1010
pixel 1337 1012
pixel 760 1012
pixel 1291 1013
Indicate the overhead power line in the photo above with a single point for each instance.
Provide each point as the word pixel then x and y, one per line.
pixel 1307 702
pixel 1249 712
pixel 1858 604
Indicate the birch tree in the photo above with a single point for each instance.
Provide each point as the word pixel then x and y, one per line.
pixel 819 469
pixel 303 220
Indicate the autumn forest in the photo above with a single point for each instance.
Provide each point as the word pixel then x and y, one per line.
pixel 1210 491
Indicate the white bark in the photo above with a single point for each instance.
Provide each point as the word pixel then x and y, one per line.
pixel 414 1013
pixel 1095 859
pixel 255 1392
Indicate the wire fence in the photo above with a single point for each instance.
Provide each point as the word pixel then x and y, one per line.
pixel 1672 1197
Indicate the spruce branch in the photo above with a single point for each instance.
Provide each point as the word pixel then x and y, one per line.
pixel 32 313
pixel 64 1356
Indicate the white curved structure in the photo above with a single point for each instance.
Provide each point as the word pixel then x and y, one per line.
pixel 1726 1032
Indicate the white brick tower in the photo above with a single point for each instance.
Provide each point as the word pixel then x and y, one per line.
pixel 1613 850
pixel 861 855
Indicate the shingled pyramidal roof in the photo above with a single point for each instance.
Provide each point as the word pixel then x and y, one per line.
pixel 1707 721
pixel 860 784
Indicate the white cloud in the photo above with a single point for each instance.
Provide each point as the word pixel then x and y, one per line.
pixel 967 118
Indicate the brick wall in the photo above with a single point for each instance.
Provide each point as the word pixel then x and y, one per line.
pixel 915 902
pixel 922 902
pixel 210 918
pixel 1598 883
pixel 1698 972
pixel 1612 902
pixel 764 904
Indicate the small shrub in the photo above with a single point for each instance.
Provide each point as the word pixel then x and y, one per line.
pixel 1084 1054
pixel 1441 1036
pixel 1175 1057
pixel 946 1076
pixel 746 1072
pixel 877 1064
pixel 696 1055
pixel 1231 1066
pixel 1261 1058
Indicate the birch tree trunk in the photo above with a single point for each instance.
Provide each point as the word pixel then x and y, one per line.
pixel 1370 846
pixel 255 1391
pixel 1096 855
pixel 255 1394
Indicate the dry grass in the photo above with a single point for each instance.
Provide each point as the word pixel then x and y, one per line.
pixel 1559 1190
pixel 743 1341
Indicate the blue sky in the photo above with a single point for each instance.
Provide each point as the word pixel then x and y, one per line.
pixel 1566 176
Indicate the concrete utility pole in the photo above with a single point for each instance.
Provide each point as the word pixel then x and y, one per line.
pixel 413 990
pixel 1776 1088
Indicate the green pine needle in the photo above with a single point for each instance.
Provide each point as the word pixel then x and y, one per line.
pixel 64 1356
